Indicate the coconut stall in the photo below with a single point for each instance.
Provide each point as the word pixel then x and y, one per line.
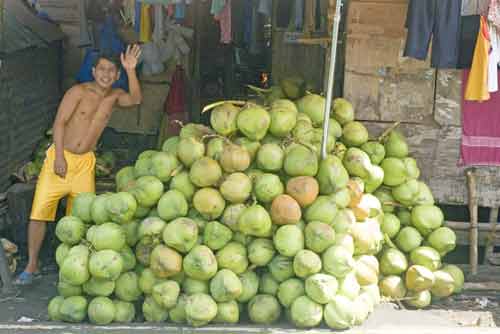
pixel 248 210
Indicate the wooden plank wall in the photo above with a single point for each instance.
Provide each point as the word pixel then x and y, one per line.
pixel 386 87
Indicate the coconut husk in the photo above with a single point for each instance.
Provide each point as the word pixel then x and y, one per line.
pixel 8 246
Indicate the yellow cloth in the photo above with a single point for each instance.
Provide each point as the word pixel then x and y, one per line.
pixel 477 85
pixel 50 188
pixel 146 29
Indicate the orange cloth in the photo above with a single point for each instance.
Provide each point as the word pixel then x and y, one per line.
pixel 477 85
pixel 50 188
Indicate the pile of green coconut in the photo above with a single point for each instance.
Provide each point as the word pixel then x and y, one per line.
pixel 244 222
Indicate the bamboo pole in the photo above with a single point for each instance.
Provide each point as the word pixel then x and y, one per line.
pixel 465 226
pixel 473 234
pixel 331 76
pixel 490 242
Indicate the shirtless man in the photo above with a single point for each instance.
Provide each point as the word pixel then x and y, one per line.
pixel 69 167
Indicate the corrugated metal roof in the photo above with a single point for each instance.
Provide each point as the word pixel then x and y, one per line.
pixel 22 29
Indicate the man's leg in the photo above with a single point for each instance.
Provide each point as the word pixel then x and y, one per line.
pixel 36 235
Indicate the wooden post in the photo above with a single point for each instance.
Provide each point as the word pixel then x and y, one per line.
pixel 473 234
pixel 490 242
pixel 5 275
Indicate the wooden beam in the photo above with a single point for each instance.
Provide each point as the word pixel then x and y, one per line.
pixel 490 241
pixel 473 210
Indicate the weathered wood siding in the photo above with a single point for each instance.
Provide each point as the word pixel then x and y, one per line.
pixel 386 87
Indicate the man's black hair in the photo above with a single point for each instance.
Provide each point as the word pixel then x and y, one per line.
pixel 113 58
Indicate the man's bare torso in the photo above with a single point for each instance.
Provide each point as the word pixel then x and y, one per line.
pixel 89 119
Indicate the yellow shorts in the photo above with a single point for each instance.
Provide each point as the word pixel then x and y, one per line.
pixel 50 188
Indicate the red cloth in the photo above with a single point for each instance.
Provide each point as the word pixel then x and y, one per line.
pixel 480 130
pixel 175 102
pixel 176 96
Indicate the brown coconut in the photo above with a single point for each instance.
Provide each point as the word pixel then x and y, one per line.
pixel 165 262
pixel 234 158
pixel 285 210
pixel 304 189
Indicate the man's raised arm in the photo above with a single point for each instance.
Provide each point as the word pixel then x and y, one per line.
pixel 129 63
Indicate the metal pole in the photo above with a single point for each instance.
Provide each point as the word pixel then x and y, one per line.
pixel 331 74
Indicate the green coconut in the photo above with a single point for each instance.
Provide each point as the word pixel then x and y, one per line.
pixel 283 117
pixel 236 188
pixel 181 234
pixel 393 286
pixel 253 121
pixel 225 286
pixel 313 105
pixel 182 182
pixel 165 262
pixel 395 145
pixel 261 251
pixel 170 145
pixel 215 146
pixel 357 163
pixel 267 187
pixel 301 161
pixel 343 111
pixel 234 158
pixel 200 263
pixel 319 236
pixel 223 119
pixel 216 235
pixel 354 134
pixel 395 172
pixel 189 150
pixel 233 256
pixel 375 151
pixel 332 176
pixel 205 172
pixel 209 203
pixel 264 309
pixel 147 190
pixel 270 157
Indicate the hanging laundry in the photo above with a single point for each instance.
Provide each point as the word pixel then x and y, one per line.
pixel 494 13
pixel 469 31
pixel 475 7
pixel 180 11
pixel 145 31
pixel 247 31
pixel 480 131
pixel 493 60
pixel 138 14
pixel 266 7
pixel 158 29
pixel 299 14
pixel 477 85
pixel 217 6
pixel 439 18
pixel 283 11
pixel 224 18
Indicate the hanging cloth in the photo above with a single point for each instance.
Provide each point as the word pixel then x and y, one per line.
pixel 494 13
pixel 224 18
pixel 145 32
pixel 137 20
pixel 217 6
pixel 299 14
pixel 493 60
pixel 158 30
pixel 477 85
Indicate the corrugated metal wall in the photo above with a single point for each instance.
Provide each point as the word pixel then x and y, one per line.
pixel 29 94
